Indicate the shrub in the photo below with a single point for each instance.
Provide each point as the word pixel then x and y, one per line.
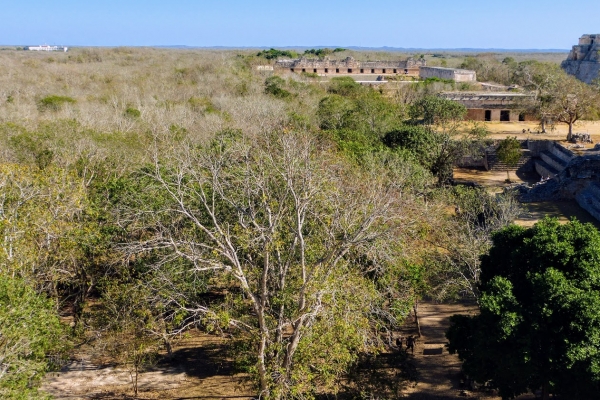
pixel 273 86
pixel 54 103
pixel 132 112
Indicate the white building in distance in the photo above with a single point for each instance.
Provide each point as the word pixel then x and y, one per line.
pixel 45 47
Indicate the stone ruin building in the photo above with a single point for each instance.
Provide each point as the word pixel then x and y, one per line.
pixel 566 175
pixel 492 106
pixel 350 66
pixel 584 59
pixel 454 74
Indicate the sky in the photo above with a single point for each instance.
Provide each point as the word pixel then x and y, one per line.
pixel 433 24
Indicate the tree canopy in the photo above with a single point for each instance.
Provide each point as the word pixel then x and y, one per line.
pixel 539 321
pixel 509 152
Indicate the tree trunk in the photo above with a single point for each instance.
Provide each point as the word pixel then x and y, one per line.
pixel 570 135
pixel 543 125
pixel 416 311
pixel 546 391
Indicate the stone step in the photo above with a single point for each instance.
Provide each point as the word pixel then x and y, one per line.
pixel 495 164
pixel 550 159
pixel 544 169
pixel 563 153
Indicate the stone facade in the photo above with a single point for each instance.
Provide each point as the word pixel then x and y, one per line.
pixel 584 59
pixel 454 74
pixel 489 106
pixel 349 66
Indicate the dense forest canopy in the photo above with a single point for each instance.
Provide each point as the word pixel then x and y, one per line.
pixel 147 192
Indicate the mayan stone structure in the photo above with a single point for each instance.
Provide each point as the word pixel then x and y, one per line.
pixel 454 74
pixel 349 65
pixel 584 59
pixel 489 106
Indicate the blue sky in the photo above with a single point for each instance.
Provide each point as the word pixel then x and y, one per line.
pixel 508 24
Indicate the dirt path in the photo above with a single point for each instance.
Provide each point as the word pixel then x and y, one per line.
pixel 437 369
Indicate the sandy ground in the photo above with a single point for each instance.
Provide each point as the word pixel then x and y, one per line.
pixel 199 370
pixel 499 130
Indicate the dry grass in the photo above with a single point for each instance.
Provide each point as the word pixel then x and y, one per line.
pixel 196 92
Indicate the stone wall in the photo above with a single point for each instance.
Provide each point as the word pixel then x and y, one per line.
pixel 456 75
pixel 349 65
pixel 584 59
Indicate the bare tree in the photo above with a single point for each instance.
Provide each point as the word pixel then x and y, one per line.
pixel 278 226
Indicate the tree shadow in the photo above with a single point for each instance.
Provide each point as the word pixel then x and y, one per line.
pixel 201 362
pixel 381 376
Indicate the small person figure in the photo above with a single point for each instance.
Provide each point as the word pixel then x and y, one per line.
pixel 399 342
pixel 410 344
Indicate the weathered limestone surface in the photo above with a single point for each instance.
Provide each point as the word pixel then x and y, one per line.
pixel 455 74
pixel 349 65
pixel 579 180
pixel 584 59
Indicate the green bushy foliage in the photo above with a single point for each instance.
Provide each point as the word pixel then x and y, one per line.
pixel 29 332
pixel 54 103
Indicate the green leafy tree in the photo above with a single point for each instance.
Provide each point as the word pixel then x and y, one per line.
pixel 274 86
pixel 559 97
pixel 442 113
pixel 509 152
pixel 30 332
pixel 273 54
pixel 345 86
pixel 539 321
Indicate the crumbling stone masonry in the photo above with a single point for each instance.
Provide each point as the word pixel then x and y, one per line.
pixel 453 74
pixel 349 66
pixel 489 106
pixel 567 176
pixel 584 59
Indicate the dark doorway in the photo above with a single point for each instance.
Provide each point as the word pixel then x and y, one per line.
pixel 326 70
pixel 383 71
pixel 315 70
pixel 362 71
pixel 372 71
pixel 488 115
pixel 337 70
pixel 522 117
pixel 349 70
pixel 504 115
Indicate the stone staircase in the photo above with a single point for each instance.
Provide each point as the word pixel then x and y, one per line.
pixel 552 161
pixel 589 199
pixel 495 164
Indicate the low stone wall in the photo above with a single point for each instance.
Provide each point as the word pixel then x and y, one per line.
pixel 538 146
